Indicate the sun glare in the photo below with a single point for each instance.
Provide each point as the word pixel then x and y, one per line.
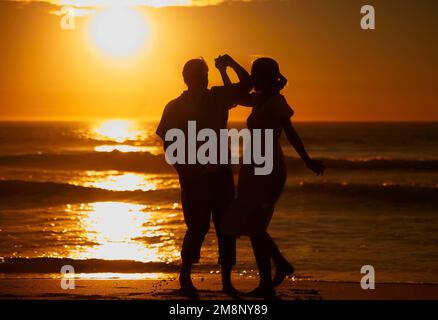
pixel 119 31
pixel 125 182
pixel 117 230
pixel 117 130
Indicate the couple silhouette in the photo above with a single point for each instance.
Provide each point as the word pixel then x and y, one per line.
pixel 209 191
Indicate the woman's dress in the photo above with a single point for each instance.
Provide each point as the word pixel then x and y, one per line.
pixel 252 210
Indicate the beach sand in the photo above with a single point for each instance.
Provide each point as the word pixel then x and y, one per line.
pixel 209 287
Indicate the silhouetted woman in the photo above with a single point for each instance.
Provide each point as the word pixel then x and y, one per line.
pixel 251 212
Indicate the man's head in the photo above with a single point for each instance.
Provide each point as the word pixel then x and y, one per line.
pixel 195 73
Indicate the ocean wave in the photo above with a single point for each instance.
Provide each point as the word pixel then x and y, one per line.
pixel 26 194
pixel 380 164
pixel 150 163
pixel 19 194
pixel 124 161
pixel 54 265
pixel 396 193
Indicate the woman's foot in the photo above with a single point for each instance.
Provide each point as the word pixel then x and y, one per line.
pixel 227 285
pixel 262 292
pixel 282 272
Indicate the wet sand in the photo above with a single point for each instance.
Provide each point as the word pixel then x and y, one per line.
pixel 209 287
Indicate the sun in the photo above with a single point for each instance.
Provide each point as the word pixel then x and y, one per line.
pixel 119 31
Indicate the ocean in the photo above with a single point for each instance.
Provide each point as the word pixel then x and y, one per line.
pixel 100 197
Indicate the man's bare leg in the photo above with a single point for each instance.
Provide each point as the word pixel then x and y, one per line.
pixel 185 281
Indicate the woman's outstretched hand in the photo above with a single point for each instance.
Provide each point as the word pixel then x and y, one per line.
pixel 223 61
pixel 316 166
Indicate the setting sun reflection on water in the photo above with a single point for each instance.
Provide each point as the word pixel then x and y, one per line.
pixel 118 131
pixel 125 181
pixel 124 136
pixel 127 148
pixel 123 276
pixel 124 231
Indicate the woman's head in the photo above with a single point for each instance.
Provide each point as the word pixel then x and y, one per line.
pixel 265 74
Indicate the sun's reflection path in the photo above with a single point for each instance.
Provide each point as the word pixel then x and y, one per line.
pixel 125 181
pixel 128 148
pixel 125 231
pixel 118 131
pixel 123 136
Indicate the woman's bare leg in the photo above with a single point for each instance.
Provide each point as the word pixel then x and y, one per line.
pixel 282 267
pixel 262 252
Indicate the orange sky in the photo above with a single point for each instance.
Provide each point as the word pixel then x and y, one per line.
pixel 337 71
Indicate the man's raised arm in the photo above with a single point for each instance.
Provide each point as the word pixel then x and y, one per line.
pixel 244 85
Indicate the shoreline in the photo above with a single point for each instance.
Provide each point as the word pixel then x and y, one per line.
pixel 209 287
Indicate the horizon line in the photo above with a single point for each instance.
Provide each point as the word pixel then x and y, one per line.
pixel 92 119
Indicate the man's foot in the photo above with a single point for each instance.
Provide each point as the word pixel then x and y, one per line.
pixel 189 292
pixel 282 272
pixel 230 290
pixel 262 292
pixel 187 288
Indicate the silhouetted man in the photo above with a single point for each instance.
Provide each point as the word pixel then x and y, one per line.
pixel 206 190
